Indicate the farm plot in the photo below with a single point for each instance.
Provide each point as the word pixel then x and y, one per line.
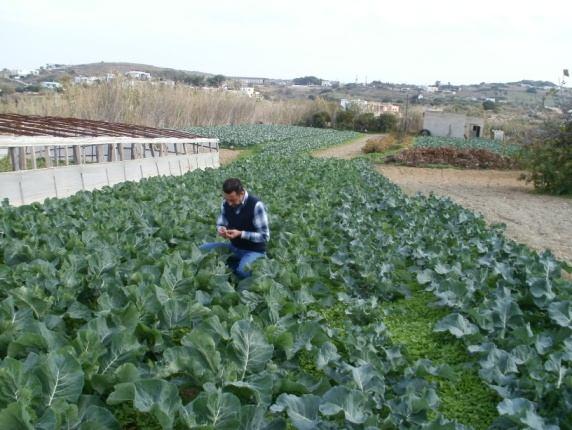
pixel 470 153
pixel 244 135
pixel 494 146
pixel 373 310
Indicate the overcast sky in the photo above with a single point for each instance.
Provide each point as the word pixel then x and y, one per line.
pixel 411 41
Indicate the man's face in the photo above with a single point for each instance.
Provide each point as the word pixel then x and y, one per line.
pixel 234 199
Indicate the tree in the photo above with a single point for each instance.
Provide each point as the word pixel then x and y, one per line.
pixel 307 80
pixel 345 119
pixel 365 122
pixel 216 80
pixel 489 105
pixel 195 80
pixel 549 159
pixel 319 120
pixel 386 122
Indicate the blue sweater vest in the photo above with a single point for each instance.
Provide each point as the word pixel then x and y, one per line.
pixel 243 221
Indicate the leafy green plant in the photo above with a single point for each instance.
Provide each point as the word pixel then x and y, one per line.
pixel 549 159
pixel 110 315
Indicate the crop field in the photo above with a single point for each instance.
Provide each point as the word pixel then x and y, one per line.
pixel 373 310
pixel 505 149
pixel 241 136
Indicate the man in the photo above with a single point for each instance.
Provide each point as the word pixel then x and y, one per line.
pixel 242 220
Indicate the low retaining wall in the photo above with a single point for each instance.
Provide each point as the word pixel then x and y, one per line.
pixel 28 186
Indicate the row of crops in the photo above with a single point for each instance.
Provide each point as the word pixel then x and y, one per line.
pixel 495 146
pixel 373 310
pixel 240 136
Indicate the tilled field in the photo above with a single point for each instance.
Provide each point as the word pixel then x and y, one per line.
pixel 540 221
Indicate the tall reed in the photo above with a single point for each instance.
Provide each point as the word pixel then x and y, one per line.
pixel 157 105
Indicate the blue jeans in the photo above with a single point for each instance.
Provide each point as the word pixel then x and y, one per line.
pixel 240 258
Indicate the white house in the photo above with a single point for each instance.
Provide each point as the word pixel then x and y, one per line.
pixel 86 80
pixel 51 85
pixel 135 74
pixel 251 81
pixel 375 108
pixel 249 91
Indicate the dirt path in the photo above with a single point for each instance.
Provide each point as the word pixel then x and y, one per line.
pixel 347 150
pixel 541 222
pixel 227 156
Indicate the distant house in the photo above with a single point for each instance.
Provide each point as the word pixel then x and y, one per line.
pixel 249 91
pixel 330 84
pixel 431 89
pixel 135 74
pixel 51 85
pixel 457 125
pixel 21 74
pixel 86 80
pixel 375 108
pixel 55 66
pixel 251 81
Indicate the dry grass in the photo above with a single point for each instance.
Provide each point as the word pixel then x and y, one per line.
pixel 160 106
pixel 386 143
pixel 378 144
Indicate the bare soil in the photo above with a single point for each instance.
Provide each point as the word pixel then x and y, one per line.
pixel 467 158
pixel 227 156
pixel 347 150
pixel 539 221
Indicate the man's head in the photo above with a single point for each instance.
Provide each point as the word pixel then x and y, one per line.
pixel 233 191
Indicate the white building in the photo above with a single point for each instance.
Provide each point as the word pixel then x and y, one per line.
pixel 444 124
pixel 135 74
pixel 251 81
pixel 51 85
pixel 249 91
pixel 86 80
pixel 375 108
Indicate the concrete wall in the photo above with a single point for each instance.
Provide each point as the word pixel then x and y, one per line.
pixel 445 124
pixel 472 121
pixel 28 186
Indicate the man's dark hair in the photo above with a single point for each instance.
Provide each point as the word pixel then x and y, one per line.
pixel 232 185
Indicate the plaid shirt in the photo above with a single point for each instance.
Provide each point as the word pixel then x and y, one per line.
pixel 260 221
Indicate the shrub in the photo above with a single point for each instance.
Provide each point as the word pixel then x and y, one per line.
pixel 386 122
pixel 345 120
pixel 365 122
pixel 548 159
pixel 319 120
pixel 489 105
pixel 379 144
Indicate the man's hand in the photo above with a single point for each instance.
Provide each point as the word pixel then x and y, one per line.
pixel 233 234
pixel 222 231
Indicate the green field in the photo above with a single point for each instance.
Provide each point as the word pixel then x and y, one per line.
pixel 373 310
